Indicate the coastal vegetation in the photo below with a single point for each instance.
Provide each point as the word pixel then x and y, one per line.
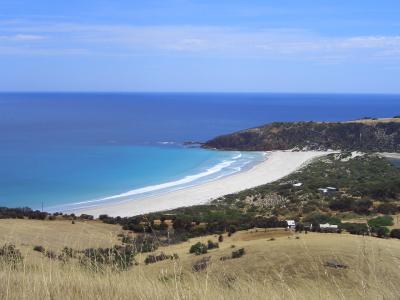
pixel 363 135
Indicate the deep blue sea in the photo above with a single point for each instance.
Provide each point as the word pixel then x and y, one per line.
pixel 59 149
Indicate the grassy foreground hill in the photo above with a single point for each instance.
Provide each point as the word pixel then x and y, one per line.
pixel 378 135
pixel 277 264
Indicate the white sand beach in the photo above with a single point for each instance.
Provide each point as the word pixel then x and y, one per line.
pixel 278 164
pixel 391 155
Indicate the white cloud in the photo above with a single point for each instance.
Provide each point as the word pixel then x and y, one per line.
pixel 22 37
pixel 28 37
pixel 285 43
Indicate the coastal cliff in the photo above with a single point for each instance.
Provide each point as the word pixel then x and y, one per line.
pixel 364 135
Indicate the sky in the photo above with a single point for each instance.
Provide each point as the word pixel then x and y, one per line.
pixel 297 46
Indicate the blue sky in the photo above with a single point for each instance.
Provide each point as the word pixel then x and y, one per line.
pixel 342 46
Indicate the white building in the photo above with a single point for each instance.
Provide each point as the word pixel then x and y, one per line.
pixel 291 223
pixel 328 226
pixel 328 189
pixel 331 189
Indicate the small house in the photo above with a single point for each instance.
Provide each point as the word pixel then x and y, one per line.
pixel 328 227
pixel 291 224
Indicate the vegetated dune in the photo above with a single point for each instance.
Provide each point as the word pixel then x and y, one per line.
pixel 366 135
pixel 277 264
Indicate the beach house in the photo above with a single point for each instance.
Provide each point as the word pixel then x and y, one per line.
pixel 328 227
pixel 291 224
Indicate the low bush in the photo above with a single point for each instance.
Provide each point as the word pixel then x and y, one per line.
pixel 238 253
pixel 39 249
pixel 395 233
pixel 381 221
pixel 380 231
pixel 118 258
pixel 198 248
pixel 362 206
pixel 212 245
pixel 86 217
pixel 387 208
pixel 355 228
pixel 10 254
pixel 67 253
pixel 202 264
pixel 145 243
pixel 51 254
pixel 151 259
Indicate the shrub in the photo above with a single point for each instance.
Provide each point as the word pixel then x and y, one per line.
pixel 387 208
pixel 20 213
pixel 299 227
pixel 212 245
pixel 161 226
pixel 318 218
pixel 118 258
pixel 103 217
pixel 381 221
pixel 202 264
pixel 342 204
pixel 145 243
pixel 51 254
pixel 198 248
pixel 395 233
pixel 86 217
pixel 362 206
pixel 151 259
pixel 238 253
pixel 39 249
pixel 380 231
pixel 232 229
pixel 355 228
pixel 223 258
pixel 220 238
pixel 11 254
pixel 66 254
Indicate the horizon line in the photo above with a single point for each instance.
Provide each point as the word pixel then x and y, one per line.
pixel 202 92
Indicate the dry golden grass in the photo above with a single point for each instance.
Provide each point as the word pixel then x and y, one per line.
pixel 58 234
pixel 374 121
pixel 282 268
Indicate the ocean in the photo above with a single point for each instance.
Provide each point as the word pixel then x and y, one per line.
pixel 69 150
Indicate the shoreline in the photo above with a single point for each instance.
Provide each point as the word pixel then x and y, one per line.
pixel 392 155
pixel 277 165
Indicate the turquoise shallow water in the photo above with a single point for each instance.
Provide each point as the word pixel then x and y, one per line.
pixel 86 175
pixel 62 149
